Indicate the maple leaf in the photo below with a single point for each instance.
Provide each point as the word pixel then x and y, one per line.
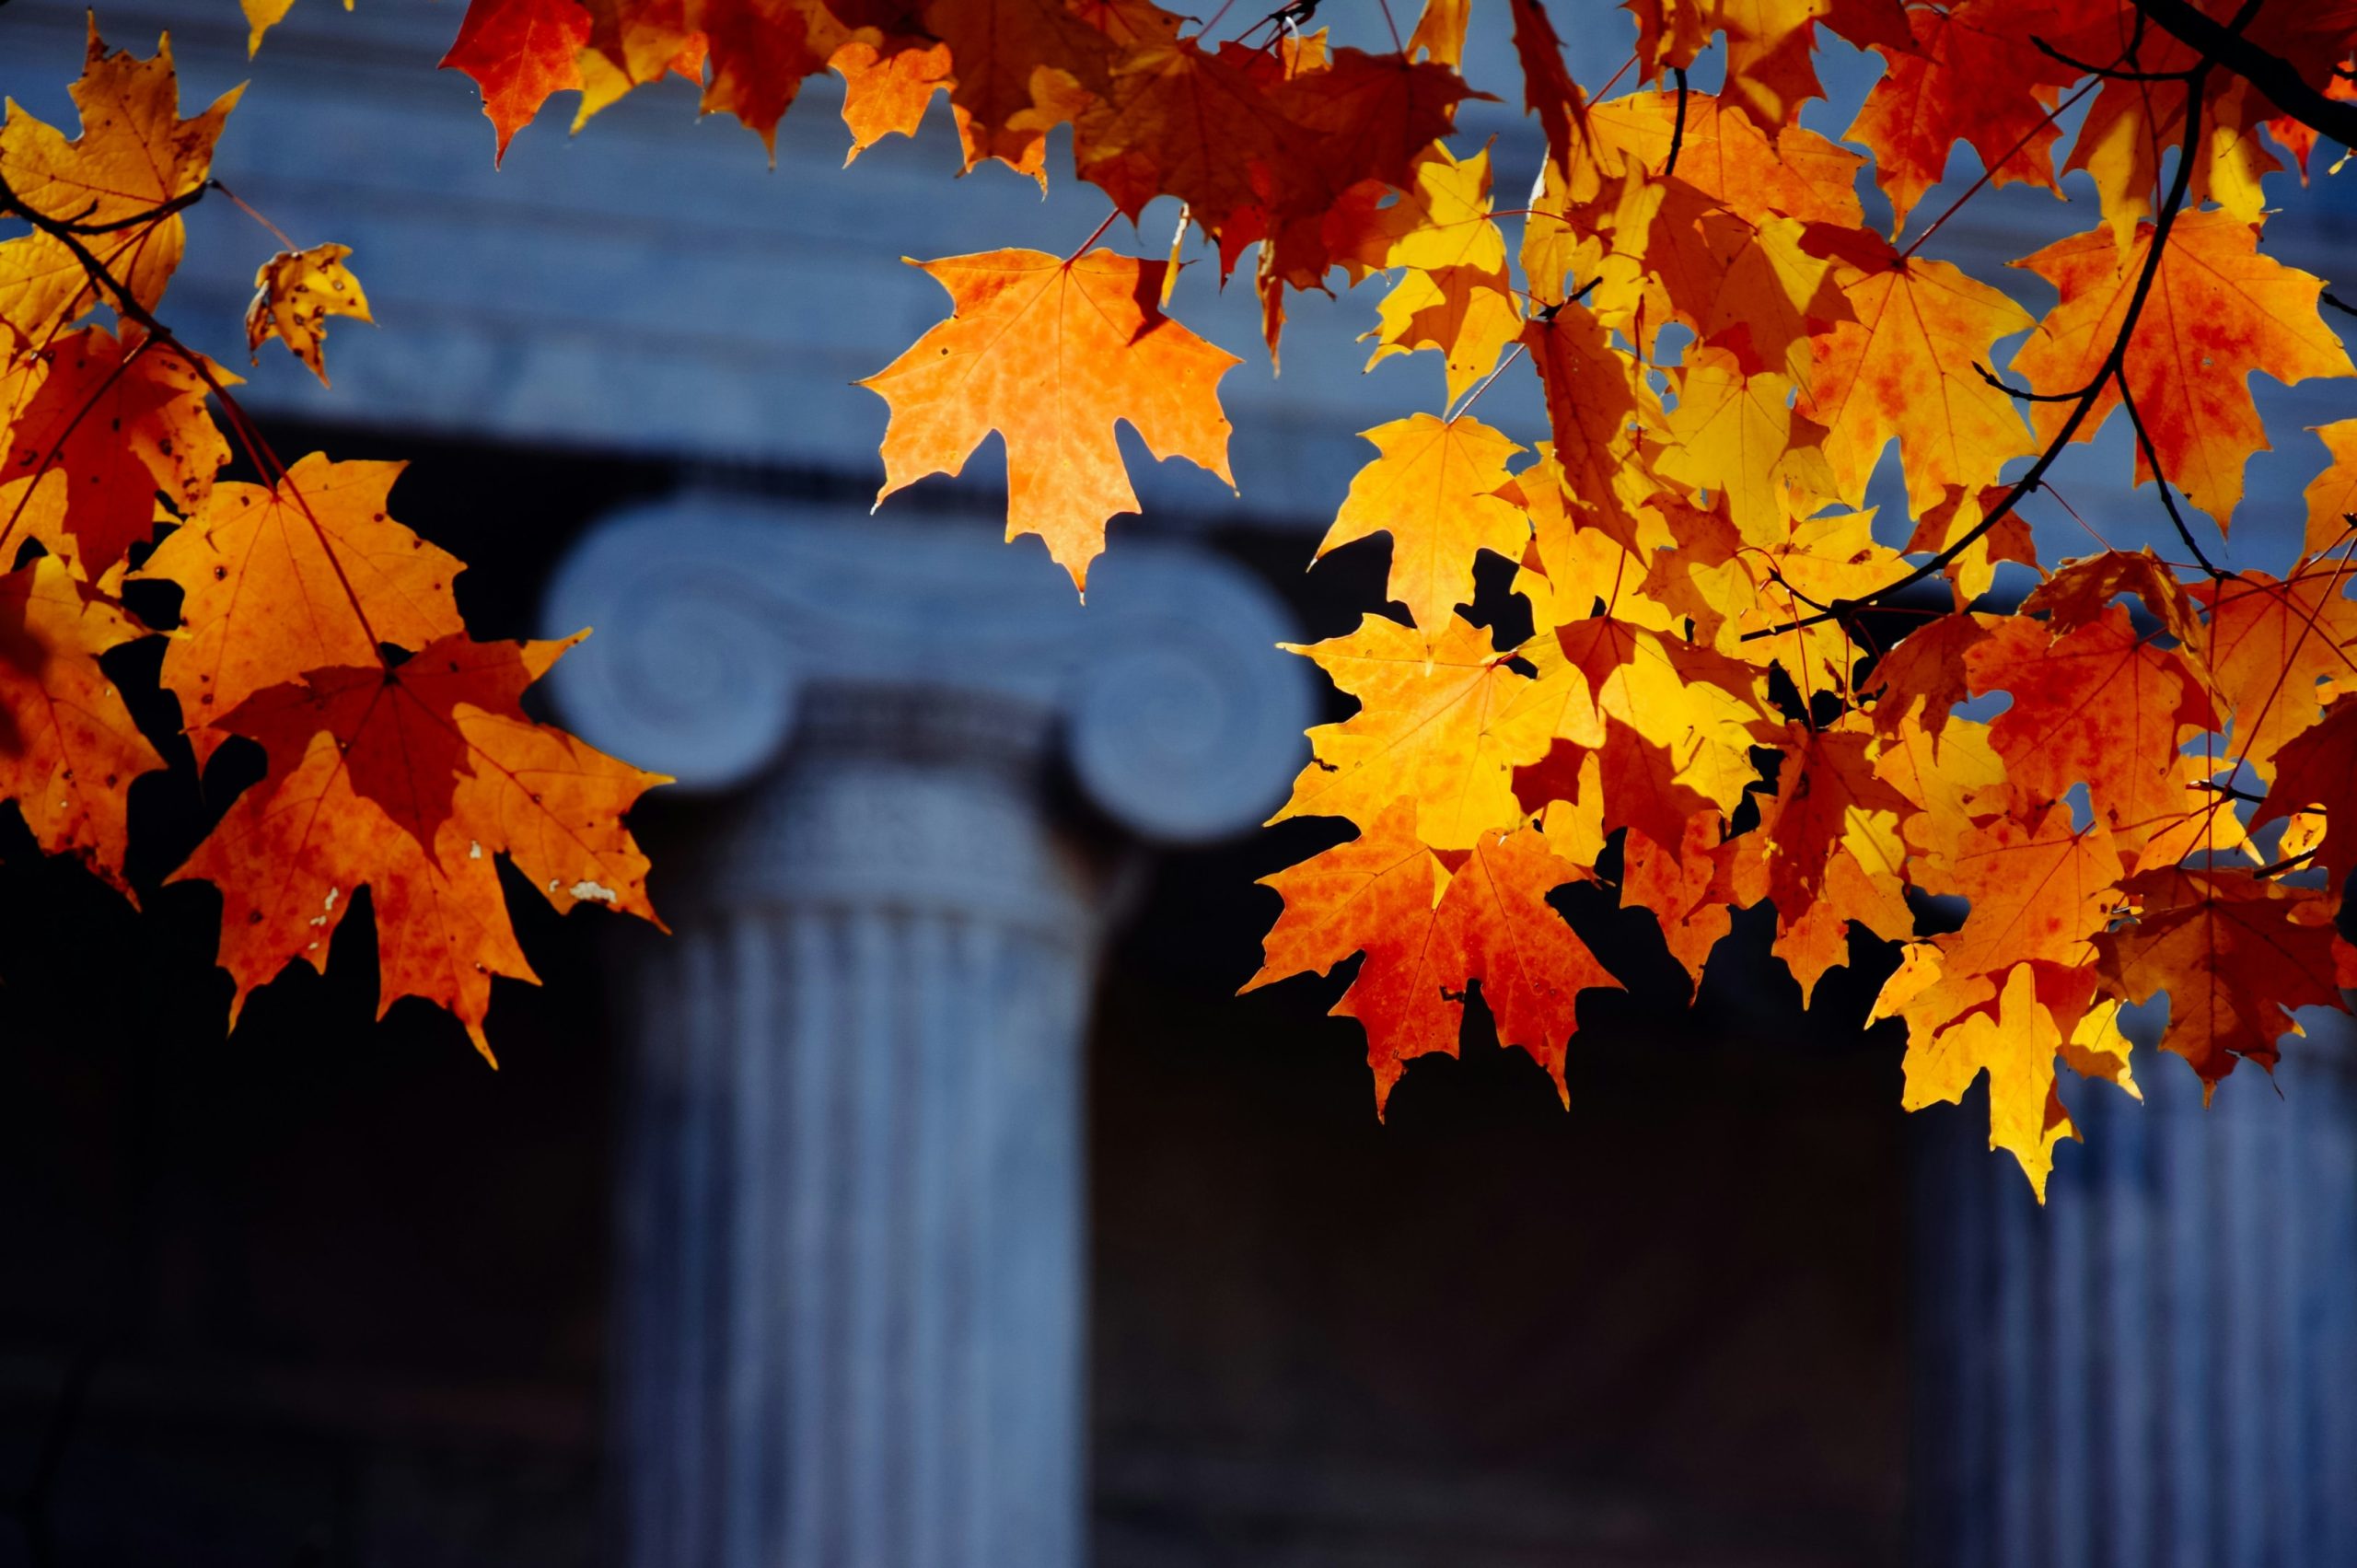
pixel 1926 676
pixel 1001 47
pixel 1592 392
pixel 409 780
pixel 2299 138
pixel 2317 770
pixel 135 159
pixel 2331 497
pixel 1952 779
pixel 1434 489
pixel 1736 433
pixel 1549 92
pixel 2218 310
pixel 124 420
pixel 295 293
pixel 1455 294
pixel 1971 72
pixel 519 51
pixel 312 573
pixel 886 92
pixel 1729 158
pixel 2234 953
pixel 760 53
pixel 263 15
pixel 2134 121
pixel 1833 853
pixel 1439 31
pixel 1771 583
pixel 1627 779
pixel 1775 296
pixel 1689 889
pixel 2078 593
pixel 1051 353
pixel 2099 706
pixel 632 42
pixel 1769 45
pixel 1700 710
pixel 2039 890
pixel 1903 367
pixel 68 748
pixel 2015 1046
pixel 2273 646
pixel 1443 720
pixel 1428 932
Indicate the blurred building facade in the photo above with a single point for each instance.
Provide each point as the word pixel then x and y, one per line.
pixel 924 1199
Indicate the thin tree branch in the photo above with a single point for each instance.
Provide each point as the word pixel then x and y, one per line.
pixel 2269 72
pixel 156 213
pixel 2110 72
pixel 2161 477
pixel 2290 863
pixel 2165 221
pixel 2229 790
pixel 1678 129
pixel 2025 393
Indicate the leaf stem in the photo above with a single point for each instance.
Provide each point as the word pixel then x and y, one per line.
pixel 1989 172
pixel 1093 236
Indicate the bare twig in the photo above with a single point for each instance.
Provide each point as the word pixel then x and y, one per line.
pixel 2165 221
pixel 155 214
pixel 2270 73
pixel 1678 129
pixel 2110 72
pixel 2290 863
pixel 2161 476
pixel 2025 393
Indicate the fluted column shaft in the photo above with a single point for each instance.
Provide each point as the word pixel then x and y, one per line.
pixel 853 1248
pixel 2159 1368
pixel 851 1273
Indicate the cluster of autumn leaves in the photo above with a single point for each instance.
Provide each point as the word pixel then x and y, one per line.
pixel 311 621
pixel 1716 694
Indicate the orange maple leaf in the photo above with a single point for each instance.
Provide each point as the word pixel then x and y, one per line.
pixel 2332 494
pixel 1434 489
pixel 1051 354
pixel 2218 311
pixel 1972 73
pixel 2103 707
pixel 1445 720
pixel 409 780
pixel 2039 890
pixel 312 574
pixel 125 421
pixel 1903 366
pixel 134 159
pixel 1428 932
pixel 68 748
pixel 2272 646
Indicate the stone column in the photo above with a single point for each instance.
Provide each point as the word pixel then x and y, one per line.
pixel 851 1265
pixel 2158 1369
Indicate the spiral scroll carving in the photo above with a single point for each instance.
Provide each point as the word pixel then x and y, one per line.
pixel 1180 717
pixel 1184 721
